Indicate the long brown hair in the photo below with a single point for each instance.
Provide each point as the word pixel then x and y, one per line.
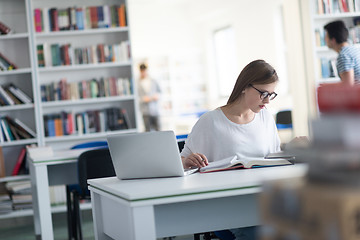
pixel 256 72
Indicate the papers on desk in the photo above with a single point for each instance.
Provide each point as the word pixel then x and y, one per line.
pixel 42 154
pixel 39 152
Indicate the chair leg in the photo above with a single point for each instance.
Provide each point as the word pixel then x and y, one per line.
pixel 207 236
pixel 77 219
pixel 69 213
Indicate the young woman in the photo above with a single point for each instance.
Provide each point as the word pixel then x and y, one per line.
pixel 242 127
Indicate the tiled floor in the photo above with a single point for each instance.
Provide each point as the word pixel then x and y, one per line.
pixel 23 228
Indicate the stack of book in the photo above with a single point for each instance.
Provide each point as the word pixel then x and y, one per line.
pixel 12 95
pixel 6 64
pixel 5 200
pixel 20 192
pixel 12 129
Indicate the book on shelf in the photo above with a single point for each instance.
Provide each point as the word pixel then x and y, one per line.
pixel 18 128
pixel 5 97
pixel 22 186
pixel 79 18
pixel 19 94
pixel 93 88
pixel 19 162
pixel 6 64
pixel 4 29
pixel 2 163
pixel 90 121
pixel 251 162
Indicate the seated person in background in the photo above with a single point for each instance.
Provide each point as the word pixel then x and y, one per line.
pixel 243 127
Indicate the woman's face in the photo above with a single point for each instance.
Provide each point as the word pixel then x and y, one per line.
pixel 253 96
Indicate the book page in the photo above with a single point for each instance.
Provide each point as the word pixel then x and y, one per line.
pixel 220 164
pixel 250 162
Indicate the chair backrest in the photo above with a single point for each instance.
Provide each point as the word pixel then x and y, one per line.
pixel 284 119
pixel 181 141
pixel 95 163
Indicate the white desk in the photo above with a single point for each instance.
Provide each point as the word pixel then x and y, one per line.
pixel 155 208
pixel 59 169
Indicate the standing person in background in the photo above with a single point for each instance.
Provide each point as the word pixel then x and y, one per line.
pixel 149 93
pixel 348 60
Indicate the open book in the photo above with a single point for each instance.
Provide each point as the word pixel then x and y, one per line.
pixel 234 162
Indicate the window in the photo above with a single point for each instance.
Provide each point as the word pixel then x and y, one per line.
pixel 225 60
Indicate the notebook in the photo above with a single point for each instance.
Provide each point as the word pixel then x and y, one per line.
pixel 146 155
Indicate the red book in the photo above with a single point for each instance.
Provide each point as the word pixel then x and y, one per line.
pixel 19 162
pixel 38 19
pixel 94 17
pixel 338 98
pixel 344 5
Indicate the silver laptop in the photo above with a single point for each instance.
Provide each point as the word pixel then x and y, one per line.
pixel 146 155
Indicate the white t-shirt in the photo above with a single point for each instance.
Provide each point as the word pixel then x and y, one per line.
pixel 215 136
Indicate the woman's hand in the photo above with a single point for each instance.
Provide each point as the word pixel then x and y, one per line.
pixel 195 160
pixel 299 142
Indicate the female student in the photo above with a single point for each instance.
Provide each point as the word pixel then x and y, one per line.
pixel 242 127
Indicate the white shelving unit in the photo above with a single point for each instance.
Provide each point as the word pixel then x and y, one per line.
pixel 318 21
pixel 17 47
pixel 21 48
pixel 77 73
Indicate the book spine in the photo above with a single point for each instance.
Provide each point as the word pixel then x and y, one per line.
pixel 6 97
pixel 31 132
pixel 17 92
pixel 4 29
pixel 7 137
pixel 19 162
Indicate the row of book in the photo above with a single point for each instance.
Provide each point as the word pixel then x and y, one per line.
pixel 12 95
pixel 12 129
pixel 79 18
pixel 70 123
pixel 337 6
pixel 93 88
pixel 6 64
pixel 328 68
pixel 354 36
pixel 62 55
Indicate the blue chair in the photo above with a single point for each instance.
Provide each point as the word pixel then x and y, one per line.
pixel 284 120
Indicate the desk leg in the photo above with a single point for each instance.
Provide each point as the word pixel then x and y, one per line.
pixel 144 223
pixel 97 217
pixel 115 219
pixel 41 201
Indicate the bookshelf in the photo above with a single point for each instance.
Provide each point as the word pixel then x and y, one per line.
pixel 17 47
pixel 84 65
pixel 21 47
pixel 323 12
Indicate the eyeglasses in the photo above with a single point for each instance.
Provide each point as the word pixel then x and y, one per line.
pixel 264 95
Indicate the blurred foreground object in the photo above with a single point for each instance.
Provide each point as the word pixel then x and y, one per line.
pixel 302 210
pixel 338 98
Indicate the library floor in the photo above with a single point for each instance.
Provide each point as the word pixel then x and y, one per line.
pixel 23 228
